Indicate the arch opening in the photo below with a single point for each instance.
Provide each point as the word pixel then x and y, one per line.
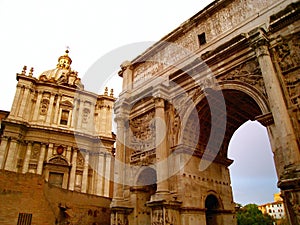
pixel 212 206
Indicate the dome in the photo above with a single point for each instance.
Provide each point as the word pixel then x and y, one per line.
pixel 62 74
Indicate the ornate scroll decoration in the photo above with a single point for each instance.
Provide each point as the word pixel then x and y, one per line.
pixel 35 151
pixel 249 73
pixel 142 129
pixel 79 160
pixel 44 106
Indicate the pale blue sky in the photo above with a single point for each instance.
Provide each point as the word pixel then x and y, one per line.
pixel 36 33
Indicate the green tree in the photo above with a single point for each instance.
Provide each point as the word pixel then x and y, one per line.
pixel 251 215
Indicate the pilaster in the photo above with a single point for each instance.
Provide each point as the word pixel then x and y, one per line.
pixel 12 155
pixel 85 173
pixel 73 170
pixel 3 151
pixel 27 157
pixel 41 159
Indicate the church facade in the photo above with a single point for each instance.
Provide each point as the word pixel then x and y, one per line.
pixel 60 131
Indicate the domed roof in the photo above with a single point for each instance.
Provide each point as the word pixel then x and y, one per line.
pixel 62 74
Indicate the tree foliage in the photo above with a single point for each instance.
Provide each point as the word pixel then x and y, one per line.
pixel 251 215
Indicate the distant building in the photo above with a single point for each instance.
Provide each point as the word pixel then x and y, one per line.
pixel 274 209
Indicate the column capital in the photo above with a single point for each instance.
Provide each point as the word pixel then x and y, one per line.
pixel 159 102
pixel 259 41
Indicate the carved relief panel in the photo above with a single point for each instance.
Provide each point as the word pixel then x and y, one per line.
pixel 142 132
pixel 287 52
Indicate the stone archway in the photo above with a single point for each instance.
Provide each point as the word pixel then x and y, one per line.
pixel 254 71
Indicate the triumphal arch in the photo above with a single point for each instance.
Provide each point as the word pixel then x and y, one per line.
pixel 185 96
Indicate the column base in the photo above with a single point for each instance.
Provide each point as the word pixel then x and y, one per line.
pixel 163 195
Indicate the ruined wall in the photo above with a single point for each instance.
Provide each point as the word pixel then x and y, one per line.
pixel 30 194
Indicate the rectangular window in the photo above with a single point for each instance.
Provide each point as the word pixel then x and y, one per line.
pixel 202 39
pixel 24 219
pixel 64 117
pixel 56 179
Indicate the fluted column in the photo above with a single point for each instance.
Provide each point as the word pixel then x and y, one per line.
pixel 3 151
pixel 27 158
pixel 85 173
pixel 73 170
pixel 276 98
pixel 161 147
pixel 41 159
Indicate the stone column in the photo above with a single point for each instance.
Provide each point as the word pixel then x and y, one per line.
pixel 49 112
pixel 3 151
pixel 85 173
pixel 289 180
pixel 27 158
pixel 276 99
pixel 14 108
pixel 100 173
pixel 37 106
pixel 23 102
pixel 120 159
pixel 41 159
pixel 126 73
pixel 161 149
pixel 73 170
pixel 107 175
pixel 12 156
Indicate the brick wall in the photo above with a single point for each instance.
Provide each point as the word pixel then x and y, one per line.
pixel 29 193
